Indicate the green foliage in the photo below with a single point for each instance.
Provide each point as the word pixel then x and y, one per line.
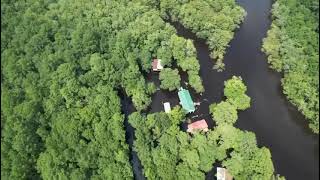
pixel 241 102
pixel 246 161
pixel 235 92
pixel 212 20
pixel 177 115
pixel 170 79
pixel 234 87
pixel 224 112
pixel 292 47
pixel 272 46
pixel 257 165
pixel 87 140
pixel 185 54
pixel 62 63
pixel 195 81
pixel 219 66
pixel 185 172
pixel 168 153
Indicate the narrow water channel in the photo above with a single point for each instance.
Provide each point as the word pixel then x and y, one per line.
pixel 128 108
pixel 277 124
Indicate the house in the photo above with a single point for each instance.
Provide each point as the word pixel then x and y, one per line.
pixel 167 107
pixel 223 174
pixel 185 100
pixel 156 65
pixel 198 125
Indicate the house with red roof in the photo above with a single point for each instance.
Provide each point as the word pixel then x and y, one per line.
pixel 198 125
pixel 156 65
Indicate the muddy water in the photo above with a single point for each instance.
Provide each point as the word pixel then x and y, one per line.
pixel 276 123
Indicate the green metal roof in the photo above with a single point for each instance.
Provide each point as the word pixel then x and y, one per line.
pixel 185 100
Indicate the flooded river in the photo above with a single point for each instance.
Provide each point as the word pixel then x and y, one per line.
pixel 277 124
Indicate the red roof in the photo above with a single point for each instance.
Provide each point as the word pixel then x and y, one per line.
pixel 202 124
pixel 154 64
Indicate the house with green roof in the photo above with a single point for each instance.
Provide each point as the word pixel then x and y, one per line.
pixel 185 100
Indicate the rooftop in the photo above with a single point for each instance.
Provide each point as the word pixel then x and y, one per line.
pixel 156 65
pixel 223 174
pixel 185 100
pixel 167 107
pixel 200 125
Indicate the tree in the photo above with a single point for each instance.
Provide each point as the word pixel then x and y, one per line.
pixel 246 160
pixel 170 79
pixel 234 87
pixel 185 54
pixel 235 91
pixel 165 54
pixel 242 102
pixel 195 81
pixel 224 112
pixel 177 115
pixel 184 171
pixel 256 166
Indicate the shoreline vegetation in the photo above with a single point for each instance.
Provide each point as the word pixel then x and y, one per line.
pixel 62 65
pixel 212 20
pixel 166 152
pixel 292 47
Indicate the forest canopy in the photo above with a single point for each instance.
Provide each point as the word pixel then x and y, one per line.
pixel 292 47
pixel 63 64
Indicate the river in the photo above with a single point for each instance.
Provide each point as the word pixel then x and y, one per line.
pixel 277 124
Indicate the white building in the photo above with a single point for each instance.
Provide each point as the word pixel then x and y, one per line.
pixel 167 107
pixel 223 174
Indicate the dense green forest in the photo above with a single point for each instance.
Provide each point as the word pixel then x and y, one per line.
pixel 292 46
pixel 166 152
pixel 63 64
